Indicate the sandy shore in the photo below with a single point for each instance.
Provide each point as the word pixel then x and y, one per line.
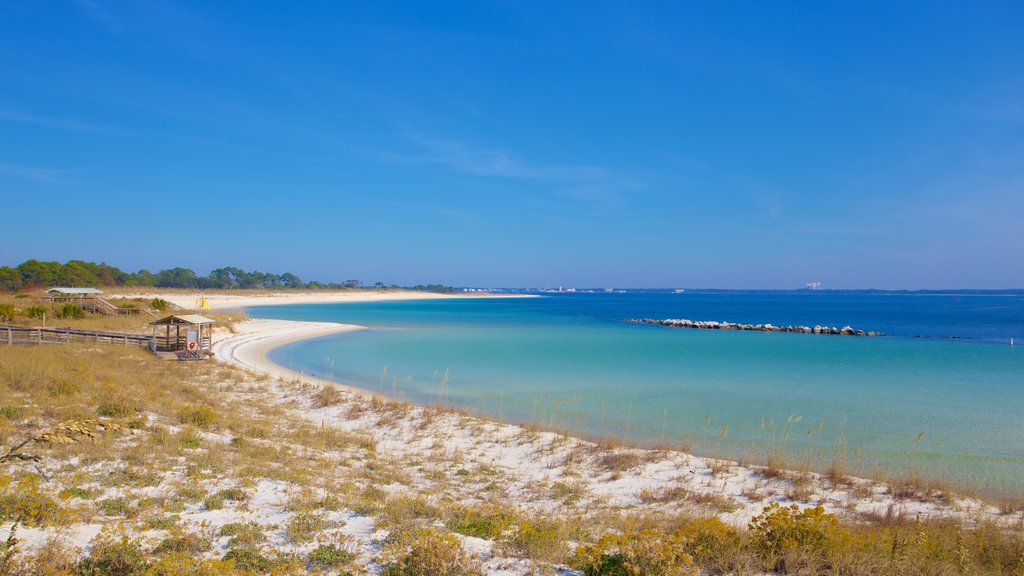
pixel 227 300
pixel 254 339
pixel 248 348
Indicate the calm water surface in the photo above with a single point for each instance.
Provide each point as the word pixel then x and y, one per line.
pixel 911 399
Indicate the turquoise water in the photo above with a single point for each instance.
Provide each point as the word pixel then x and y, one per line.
pixel 950 408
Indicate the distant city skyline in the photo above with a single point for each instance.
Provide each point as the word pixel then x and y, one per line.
pixel 727 145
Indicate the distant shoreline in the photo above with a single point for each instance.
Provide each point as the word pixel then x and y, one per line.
pixel 221 300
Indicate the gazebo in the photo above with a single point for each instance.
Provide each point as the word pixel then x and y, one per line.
pixel 192 334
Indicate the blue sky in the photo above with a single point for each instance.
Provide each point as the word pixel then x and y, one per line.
pixel 712 144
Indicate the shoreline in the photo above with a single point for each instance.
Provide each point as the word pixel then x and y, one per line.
pixel 223 301
pixel 249 348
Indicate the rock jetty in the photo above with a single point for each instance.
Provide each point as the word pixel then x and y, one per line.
pixel 712 325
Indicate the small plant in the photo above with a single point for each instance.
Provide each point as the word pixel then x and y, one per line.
pixel 36 311
pixel 644 553
pixel 113 556
pixel 244 535
pixel 304 526
pixel 327 395
pixel 189 438
pixel 198 415
pixel 779 530
pixel 70 311
pixel 427 552
pixel 249 560
pixel 11 412
pixel 488 524
pixel 159 304
pixel 114 507
pixel 330 556
pixel 180 542
pixel 214 502
pixel 7 312
pixel 540 540
pixel 62 387
pixel 114 409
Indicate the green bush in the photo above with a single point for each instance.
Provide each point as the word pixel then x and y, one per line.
pixel 35 311
pixel 6 312
pixel 159 304
pixel 644 553
pixel 180 542
pixel 199 415
pixel 428 552
pixel 330 556
pixel 70 311
pixel 779 530
pixel 114 557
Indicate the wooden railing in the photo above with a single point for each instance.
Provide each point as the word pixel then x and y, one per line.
pixel 29 335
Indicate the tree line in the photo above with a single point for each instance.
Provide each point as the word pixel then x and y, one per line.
pixel 36 274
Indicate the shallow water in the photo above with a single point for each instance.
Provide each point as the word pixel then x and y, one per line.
pixel 950 408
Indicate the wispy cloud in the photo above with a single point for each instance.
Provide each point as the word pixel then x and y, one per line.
pixel 481 161
pixel 69 124
pixel 34 173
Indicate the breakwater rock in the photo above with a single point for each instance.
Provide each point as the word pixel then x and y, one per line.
pixel 712 325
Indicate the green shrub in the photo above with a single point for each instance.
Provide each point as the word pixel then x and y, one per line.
pixel 189 438
pixel 62 387
pixel 22 295
pixel 179 542
pixel 248 559
pixel 541 540
pixel 214 502
pixel 6 312
pixel 76 492
pixel 199 415
pixel 488 524
pixel 115 507
pixel 114 409
pixel 330 556
pixel 780 530
pixel 70 311
pixel 11 412
pixel 304 526
pixel 114 557
pixel 24 499
pixel 427 552
pixel 159 304
pixel 643 553
pixel 248 535
pixel 36 311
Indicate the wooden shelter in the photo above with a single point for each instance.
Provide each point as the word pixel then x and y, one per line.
pixel 192 335
pixel 89 299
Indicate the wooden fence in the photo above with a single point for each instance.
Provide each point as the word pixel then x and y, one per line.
pixel 28 335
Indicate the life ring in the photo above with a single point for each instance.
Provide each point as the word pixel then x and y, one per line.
pixel 192 346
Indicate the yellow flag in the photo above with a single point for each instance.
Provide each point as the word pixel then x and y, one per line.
pixel 205 305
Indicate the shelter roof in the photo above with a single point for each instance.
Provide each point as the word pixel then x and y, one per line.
pixel 63 290
pixel 182 319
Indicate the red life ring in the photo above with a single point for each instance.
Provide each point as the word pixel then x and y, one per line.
pixel 192 346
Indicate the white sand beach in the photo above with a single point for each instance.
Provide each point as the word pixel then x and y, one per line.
pixel 225 300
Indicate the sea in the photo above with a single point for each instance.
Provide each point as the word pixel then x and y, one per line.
pixel 941 395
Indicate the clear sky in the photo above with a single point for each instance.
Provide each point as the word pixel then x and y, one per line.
pixel 705 144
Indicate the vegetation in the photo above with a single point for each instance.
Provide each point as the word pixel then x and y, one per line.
pixel 37 274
